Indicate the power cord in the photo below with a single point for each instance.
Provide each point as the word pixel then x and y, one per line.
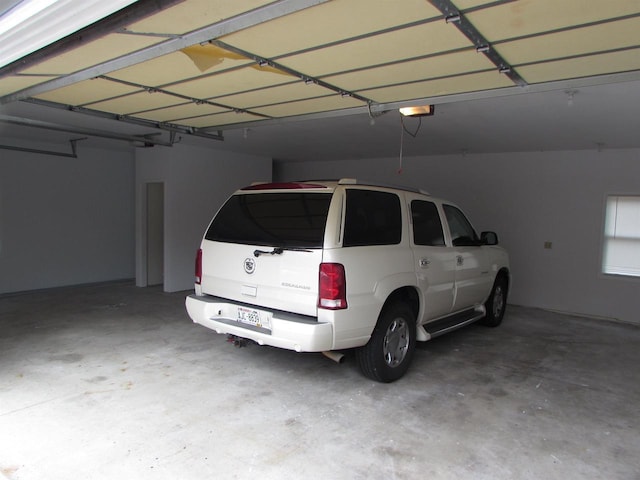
pixel 402 132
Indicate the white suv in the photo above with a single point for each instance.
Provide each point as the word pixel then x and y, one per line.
pixel 331 265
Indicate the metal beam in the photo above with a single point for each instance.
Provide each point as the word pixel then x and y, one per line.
pixel 73 154
pixel 239 22
pixel 169 127
pixel 379 108
pixel 456 17
pixel 294 73
pixel 198 101
pixel 27 122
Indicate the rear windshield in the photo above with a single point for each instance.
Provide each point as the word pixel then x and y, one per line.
pixel 277 219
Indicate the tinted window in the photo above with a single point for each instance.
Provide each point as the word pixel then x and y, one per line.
pixel 427 228
pixel 278 219
pixel 462 233
pixel 372 218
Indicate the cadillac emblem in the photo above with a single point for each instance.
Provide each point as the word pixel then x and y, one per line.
pixel 249 265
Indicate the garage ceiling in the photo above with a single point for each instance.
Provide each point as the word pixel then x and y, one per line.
pixel 205 66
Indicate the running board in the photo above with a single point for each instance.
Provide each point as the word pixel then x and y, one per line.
pixel 452 322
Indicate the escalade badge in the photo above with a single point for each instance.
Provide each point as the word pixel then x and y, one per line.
pixel 249 265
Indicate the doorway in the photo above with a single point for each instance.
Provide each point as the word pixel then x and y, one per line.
pixel 155 234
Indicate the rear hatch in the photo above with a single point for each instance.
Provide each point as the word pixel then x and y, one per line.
pixel 264 247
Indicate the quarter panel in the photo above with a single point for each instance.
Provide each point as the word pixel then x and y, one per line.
pixel 372 273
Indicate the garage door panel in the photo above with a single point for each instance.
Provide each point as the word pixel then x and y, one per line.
pixel 582 67
pixel 407 43
pixel 331 102
pixel 440 87
pixel 327 23
pixel 526 17
pixel 603 37
pixel 89 91
pixel 173 68
pixel 229 82
pixel 194 14
pixel 93 53
pixel 184 110
pixel 440 66
pixel 136 102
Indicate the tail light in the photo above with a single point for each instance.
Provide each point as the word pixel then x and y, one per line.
pixel 332 287
pixel 199 267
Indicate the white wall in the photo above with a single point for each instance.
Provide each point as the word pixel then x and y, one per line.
pixel 65 221
pixel 529 199
pixel 71 221
pixel 196 183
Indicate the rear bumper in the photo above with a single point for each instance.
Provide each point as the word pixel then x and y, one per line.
pixel 289 331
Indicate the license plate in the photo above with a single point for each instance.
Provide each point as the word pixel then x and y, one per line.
pixel 253 317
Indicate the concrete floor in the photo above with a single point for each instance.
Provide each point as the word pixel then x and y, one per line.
pixel 115 382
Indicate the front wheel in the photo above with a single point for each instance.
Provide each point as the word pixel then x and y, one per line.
pixel 388 354
pixel 496 304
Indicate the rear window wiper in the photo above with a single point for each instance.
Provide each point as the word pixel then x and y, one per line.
pixel 279 250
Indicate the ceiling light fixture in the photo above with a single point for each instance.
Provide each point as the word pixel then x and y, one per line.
pixel 418 111
pixel 482 48
pixel 33 24
pixel 453 18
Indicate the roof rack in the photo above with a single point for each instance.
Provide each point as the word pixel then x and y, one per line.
pixel 311 183
pixel 282 186
pixel 355 181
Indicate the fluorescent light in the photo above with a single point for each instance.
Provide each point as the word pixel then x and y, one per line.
pixel 418 111
pixel 34 24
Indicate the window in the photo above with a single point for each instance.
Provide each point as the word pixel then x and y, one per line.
pixel 278 219
pixel 621 252
pixel 462 233
pixel 373 218
pixel 427 228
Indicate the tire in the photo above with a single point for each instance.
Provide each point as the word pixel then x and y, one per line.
pixel 496 304
pixel 389 352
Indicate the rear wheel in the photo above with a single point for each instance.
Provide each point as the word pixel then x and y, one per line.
pixel 496 304
pixel 389 352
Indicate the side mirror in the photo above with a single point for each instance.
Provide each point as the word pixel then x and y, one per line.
pixel 489 238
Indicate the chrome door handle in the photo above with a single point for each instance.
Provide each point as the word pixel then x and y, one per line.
pixel 424 262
